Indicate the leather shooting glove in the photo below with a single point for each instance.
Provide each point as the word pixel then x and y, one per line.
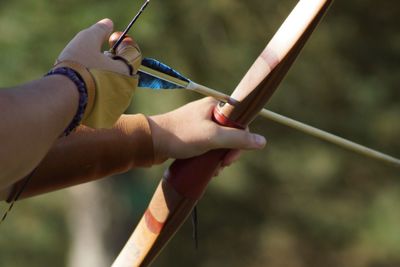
pixel 110 82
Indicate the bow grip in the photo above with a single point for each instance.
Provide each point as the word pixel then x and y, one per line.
pixel 190 177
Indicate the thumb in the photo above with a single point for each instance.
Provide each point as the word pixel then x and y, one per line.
pixel 99 32
pixel 239 139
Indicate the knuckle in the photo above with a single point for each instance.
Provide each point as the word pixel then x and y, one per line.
pixel 243 139
pixel 210 100
pixel 213 131
pixel 213 136
pixel 82 33
pixel 249 138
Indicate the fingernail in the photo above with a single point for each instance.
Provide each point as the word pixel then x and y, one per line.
pixel 260 140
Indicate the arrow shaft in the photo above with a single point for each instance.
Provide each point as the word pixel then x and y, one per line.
pixel 124 33
pixel 294 124
pixel 305 128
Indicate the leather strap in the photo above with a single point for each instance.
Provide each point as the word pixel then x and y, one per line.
pixel 87 78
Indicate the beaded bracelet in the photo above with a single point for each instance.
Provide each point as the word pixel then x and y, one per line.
pixel 83 95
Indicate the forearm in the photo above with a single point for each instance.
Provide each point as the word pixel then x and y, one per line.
pixel 32 117
pixel 89 154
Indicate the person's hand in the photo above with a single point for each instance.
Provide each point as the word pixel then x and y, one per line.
pixel 85 48
pixel 189 131
pixel 110 79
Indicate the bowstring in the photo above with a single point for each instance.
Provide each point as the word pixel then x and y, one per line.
pixel 17 195
pixel 195 225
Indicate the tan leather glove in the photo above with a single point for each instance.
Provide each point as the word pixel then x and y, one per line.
pixel 109 91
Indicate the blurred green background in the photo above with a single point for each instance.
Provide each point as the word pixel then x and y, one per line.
pixel 299 202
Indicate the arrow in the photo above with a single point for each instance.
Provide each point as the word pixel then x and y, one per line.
pixel 157 75
pixel 122 36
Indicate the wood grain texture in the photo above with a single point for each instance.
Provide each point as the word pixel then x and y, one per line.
pixel 162 214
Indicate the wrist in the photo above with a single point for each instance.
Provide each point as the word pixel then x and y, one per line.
pixel 158 125
pixel 84 76
pixel 81 87
pixel 62 88
pixel 136 134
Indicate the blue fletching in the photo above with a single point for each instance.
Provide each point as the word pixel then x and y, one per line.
pixel 149 81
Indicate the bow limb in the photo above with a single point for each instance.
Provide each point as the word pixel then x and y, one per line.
pixel 186 180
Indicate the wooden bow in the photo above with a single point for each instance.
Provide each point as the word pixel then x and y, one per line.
pixel 185 181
